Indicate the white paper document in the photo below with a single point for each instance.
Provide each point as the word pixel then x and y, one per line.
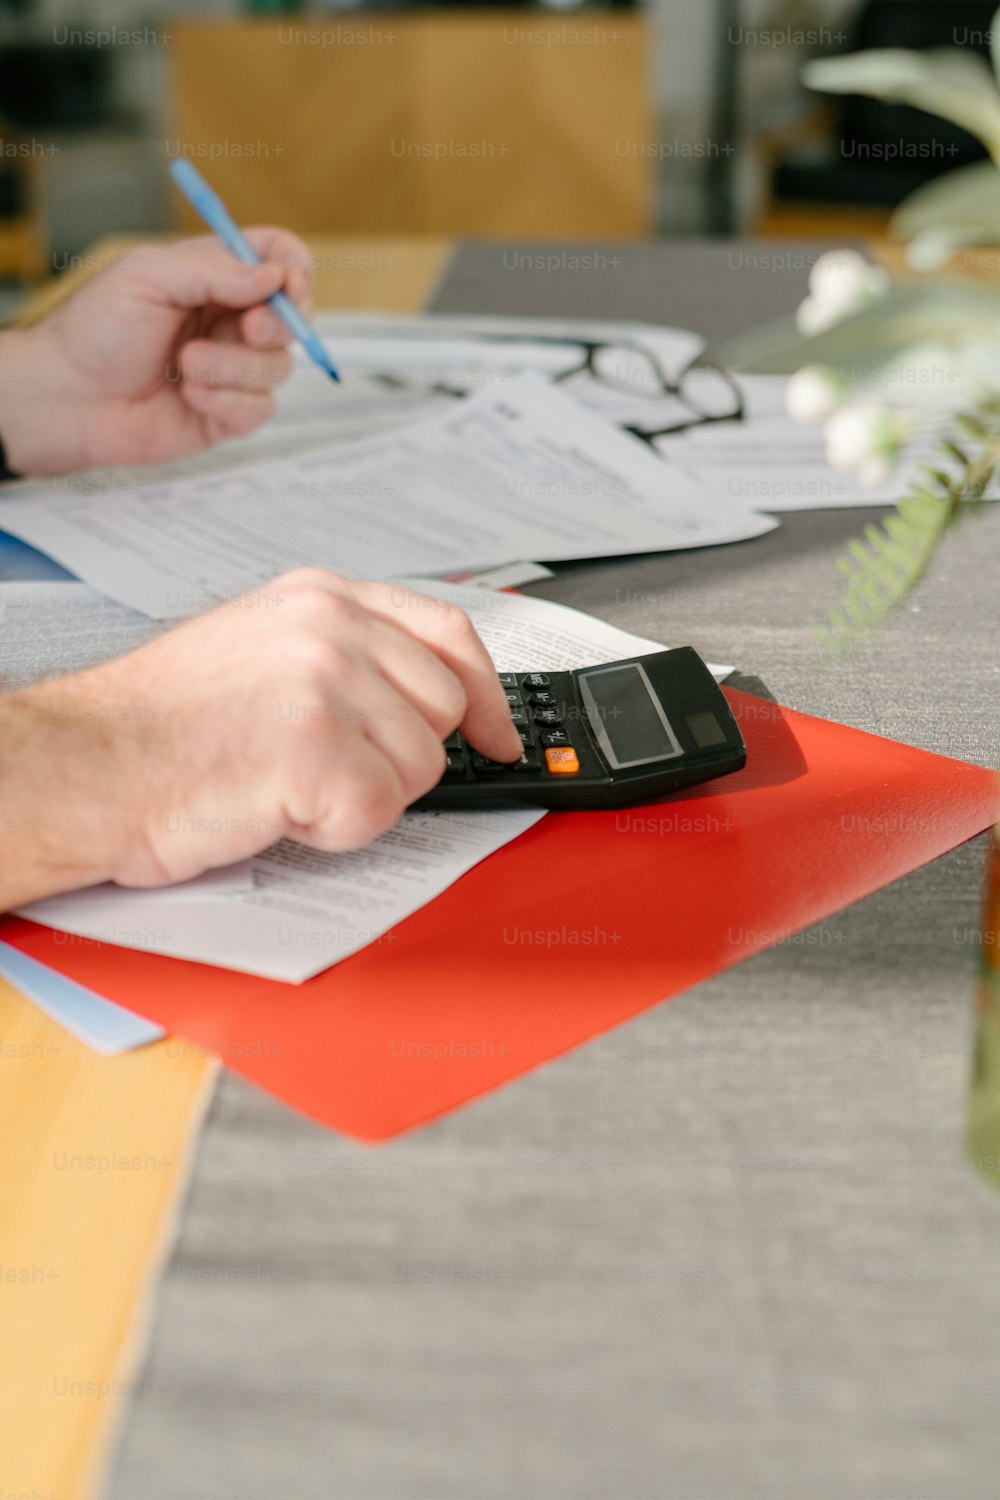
pixel 310 910
pixel 507 576
pixel 523 633
pixel 518 471
pixel 463 348
pixel 310 410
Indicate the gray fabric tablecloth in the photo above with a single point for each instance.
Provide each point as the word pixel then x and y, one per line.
pixel 730 1251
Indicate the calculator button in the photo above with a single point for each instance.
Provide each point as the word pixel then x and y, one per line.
pixel 528 762
pixel 518 716
pixel 454 763
pixel 562 761
pixel 535 680
pixel 483 766
pixel 543 700
pixel 507 679
pixel 453 742
pixel 525 738
pixel 548 716
pixel 514 698
pixel 556 737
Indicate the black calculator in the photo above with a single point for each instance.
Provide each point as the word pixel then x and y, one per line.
pixel 605 736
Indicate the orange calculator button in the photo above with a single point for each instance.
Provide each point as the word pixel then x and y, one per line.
pixel 562 761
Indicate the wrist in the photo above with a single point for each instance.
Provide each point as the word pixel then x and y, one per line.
pixel 59 827
pixel 40 420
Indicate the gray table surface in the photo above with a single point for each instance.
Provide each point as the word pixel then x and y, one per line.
pixel 729 1251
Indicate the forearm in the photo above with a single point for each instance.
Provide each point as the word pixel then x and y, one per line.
pixel 57 805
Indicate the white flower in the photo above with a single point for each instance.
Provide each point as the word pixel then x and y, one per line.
pixel 841 282
pixel 866 439
pixel 841 274
pixel 929 249
pixel 875 474
pixel 814 393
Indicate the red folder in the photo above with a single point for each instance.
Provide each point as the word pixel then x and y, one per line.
pixel 583 921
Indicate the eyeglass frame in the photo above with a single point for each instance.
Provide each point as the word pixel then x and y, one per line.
pixel 668 387
pixel 590 348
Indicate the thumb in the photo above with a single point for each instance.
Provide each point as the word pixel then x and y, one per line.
pixel 194 275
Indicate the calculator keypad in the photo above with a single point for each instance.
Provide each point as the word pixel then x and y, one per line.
pixel 538 714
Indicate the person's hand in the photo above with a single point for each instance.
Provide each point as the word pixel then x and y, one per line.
pixel 163 354
pixel 315 708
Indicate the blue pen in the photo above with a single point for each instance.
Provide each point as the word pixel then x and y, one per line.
pixel 212 209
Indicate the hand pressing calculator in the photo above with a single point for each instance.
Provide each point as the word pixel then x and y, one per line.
pixel 605 736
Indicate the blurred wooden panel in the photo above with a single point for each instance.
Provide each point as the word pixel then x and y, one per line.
pixel 529 124
pixel 291 122
pixel 503 123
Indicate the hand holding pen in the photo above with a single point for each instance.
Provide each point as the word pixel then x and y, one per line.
pixel 173 348
pixel 215 214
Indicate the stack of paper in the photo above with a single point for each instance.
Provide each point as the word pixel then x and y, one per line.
pixel 517 471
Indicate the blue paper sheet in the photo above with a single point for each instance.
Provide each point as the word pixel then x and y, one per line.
pixel 100 1023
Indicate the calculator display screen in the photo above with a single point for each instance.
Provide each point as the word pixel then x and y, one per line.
pixel 626 716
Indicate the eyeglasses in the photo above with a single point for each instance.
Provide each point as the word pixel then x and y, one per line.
pixel 704 392
pixel 614 378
